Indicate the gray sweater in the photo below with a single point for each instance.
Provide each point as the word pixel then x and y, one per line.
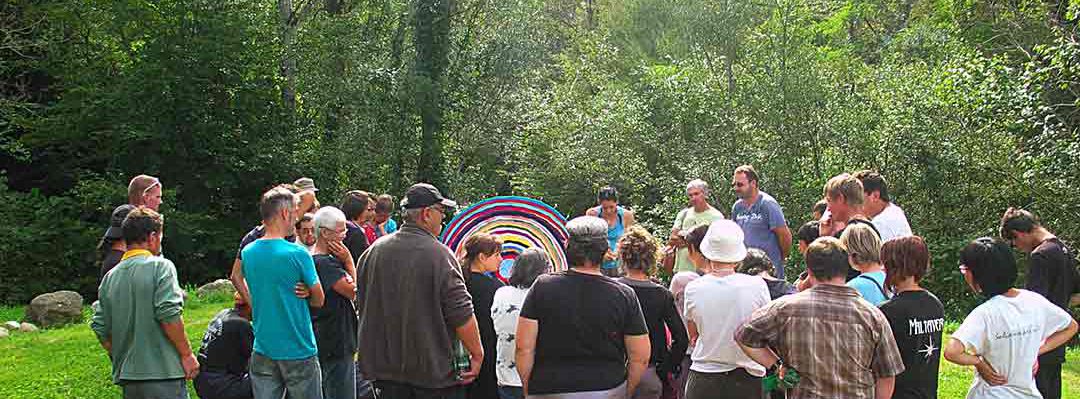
pixel 411 297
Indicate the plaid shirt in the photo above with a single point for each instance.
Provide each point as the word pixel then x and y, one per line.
pixel 839 343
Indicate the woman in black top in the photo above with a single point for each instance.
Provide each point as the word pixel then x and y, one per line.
pixel 906 261
pixel 637 250
pixel 580 332
pixel 482 256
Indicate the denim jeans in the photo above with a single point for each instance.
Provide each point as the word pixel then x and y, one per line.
pixel 270 379
pixel 338 378
pixel 154 389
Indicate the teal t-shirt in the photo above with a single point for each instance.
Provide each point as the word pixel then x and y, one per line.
pixel 282 322
pixel 870 291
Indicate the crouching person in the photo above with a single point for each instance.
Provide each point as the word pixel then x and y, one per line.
pixel 224 354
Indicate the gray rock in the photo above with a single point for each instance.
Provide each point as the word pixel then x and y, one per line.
pixel 11 325
pixel 55 308
pixel 4 333
pixel 27 328
pixel 221 286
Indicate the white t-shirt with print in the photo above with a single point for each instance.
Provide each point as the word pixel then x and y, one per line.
pixel 891 223
pixel 1008 332
pixel 718 306
pixel 505 308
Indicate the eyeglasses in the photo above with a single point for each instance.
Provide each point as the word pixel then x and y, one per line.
pixel 737 184
pixel 307 230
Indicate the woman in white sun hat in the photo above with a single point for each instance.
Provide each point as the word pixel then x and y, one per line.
pixel 716 304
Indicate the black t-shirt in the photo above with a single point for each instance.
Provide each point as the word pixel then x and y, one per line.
pixel 916 318
pixel 226 346
pixel 658 307
pixel 335 322
pixel 1052 273
pixel 482 289
pixel 583 320
pixel 110 261
pixel 256 233
pixel 355 240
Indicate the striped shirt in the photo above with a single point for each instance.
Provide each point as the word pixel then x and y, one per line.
pixel 839 343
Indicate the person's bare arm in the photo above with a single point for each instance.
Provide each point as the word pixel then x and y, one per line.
pixel 783 238
pixel 469 334
pixel 628 218
pixel 883 387
pixel 176 334
pixel 525 349
pixel 237 279
pixel 341 252
pixel 638 350
pixel 345 287
pixel 954 352
pixel 318 297
pixel 692 332
pixel 1058 338
pixel 763 356
pixel 591 212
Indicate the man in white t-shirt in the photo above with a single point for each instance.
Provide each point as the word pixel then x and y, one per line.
pixel 889 220
pixel 717 303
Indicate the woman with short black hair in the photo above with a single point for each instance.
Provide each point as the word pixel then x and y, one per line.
pixel 1003 336
pixel 505 308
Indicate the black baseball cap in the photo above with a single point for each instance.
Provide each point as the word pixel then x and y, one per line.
pixel 116 222
pixel 423 195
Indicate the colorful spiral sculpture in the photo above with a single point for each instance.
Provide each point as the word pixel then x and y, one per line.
pixel 519 221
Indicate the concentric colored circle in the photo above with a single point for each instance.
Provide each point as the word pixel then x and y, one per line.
pixel 520 222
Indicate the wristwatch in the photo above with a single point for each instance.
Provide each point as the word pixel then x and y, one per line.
pixel 775 367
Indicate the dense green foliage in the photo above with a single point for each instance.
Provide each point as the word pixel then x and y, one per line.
pixel 967 107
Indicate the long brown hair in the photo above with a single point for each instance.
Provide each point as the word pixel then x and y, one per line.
pixel 476 245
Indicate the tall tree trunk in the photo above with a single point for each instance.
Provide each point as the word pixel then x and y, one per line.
pixel 432 36
pixel 288 57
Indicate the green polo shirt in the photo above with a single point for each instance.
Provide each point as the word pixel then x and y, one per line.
pixel 134 298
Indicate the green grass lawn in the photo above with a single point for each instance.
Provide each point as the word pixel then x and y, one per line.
pixel 68 362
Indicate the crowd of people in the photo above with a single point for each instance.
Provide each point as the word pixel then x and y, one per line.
pixel 342 302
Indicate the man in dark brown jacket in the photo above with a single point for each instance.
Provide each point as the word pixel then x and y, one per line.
pixel 414 307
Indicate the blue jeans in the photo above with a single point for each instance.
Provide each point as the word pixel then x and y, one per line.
pixel 509 392
pixel 154 389
pixel 270 379
pixel 338 378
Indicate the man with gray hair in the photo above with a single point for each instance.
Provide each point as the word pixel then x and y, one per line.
pixel 697 214
pixel 335 322
pixel 284 351
pixel 414 307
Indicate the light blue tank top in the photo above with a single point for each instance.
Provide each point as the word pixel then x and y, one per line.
pixel 613 234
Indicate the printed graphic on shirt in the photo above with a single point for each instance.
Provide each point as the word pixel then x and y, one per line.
pixel 931 327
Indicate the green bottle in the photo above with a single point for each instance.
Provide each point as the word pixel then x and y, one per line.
pixel 773 382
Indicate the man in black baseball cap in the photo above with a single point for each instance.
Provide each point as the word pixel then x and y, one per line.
pixel 422 195
pixel 112 245
pixel 409 332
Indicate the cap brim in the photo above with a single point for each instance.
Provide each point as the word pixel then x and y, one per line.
pixel 448 203
pixel 113 232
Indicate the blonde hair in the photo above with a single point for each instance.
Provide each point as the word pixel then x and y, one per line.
pixel 846 185
pixel 638 249
pixel 862 243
